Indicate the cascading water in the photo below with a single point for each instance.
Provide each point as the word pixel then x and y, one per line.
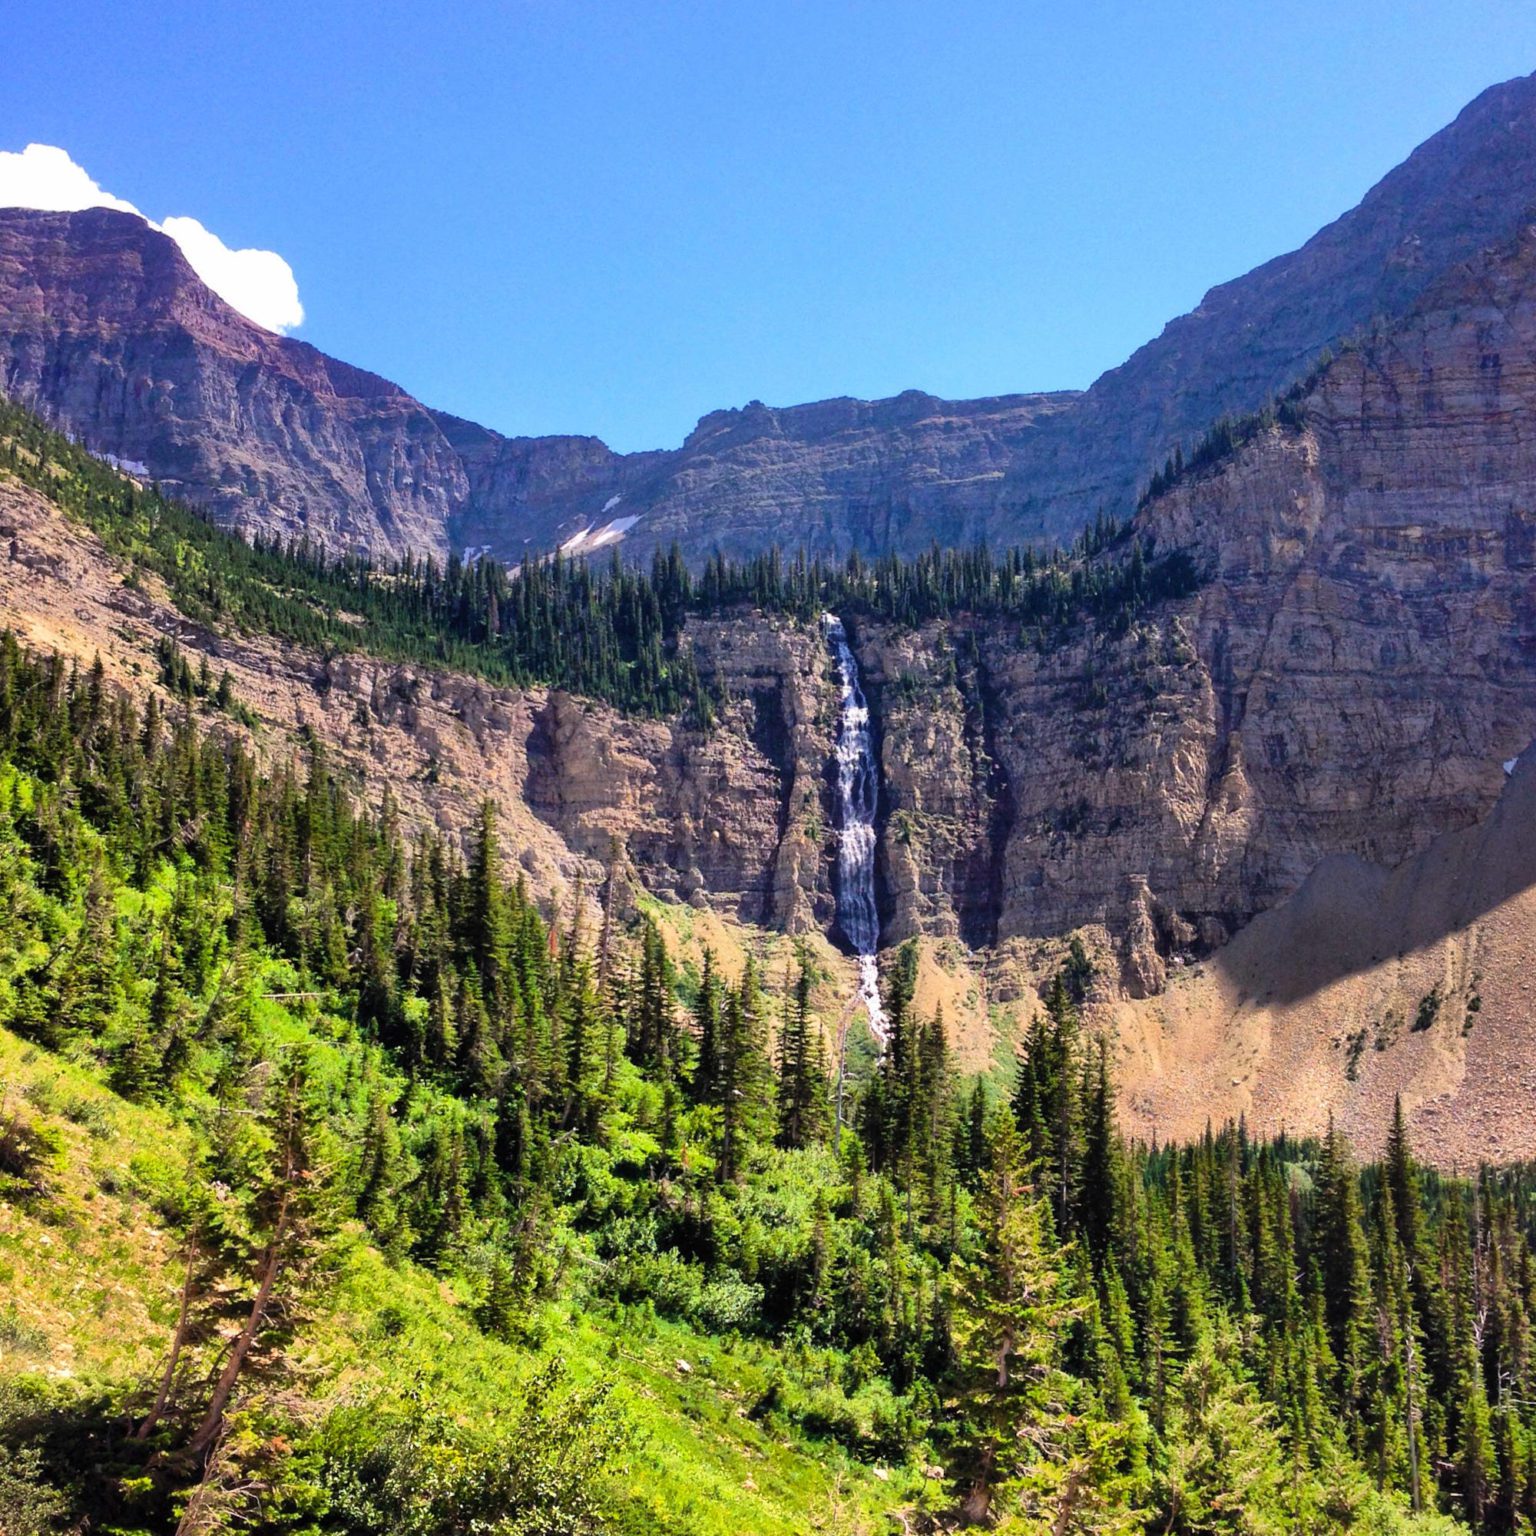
pixel 857 790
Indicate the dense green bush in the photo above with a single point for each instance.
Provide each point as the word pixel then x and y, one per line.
pixel 418 1470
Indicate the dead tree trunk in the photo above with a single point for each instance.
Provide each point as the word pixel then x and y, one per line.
pixel 207 1432
pixel 178 1340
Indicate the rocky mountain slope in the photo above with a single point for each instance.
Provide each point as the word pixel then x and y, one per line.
pixel 105 329
pixel 1464 189
pixel 737 814
pixel 1366 984
pixel 1351 676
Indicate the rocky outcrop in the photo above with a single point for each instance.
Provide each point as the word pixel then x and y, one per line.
pixel 944 805
pixel 1356 668
pixel 105 329
pixel 737 815
pixel 1368 639
pixel 107 332
pixel 837 475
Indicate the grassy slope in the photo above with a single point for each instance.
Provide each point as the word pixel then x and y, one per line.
pixel 89 1280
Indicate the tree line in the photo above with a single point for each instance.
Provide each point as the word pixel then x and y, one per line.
pixel 613 631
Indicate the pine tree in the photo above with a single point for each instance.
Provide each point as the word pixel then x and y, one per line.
pixel 705 1083
pixel 1098 1217
pixel 1343 1268
pixel 743 1079
pixel 802 1080
pixel 1037 1454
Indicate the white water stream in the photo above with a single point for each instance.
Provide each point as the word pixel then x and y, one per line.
pixel 857 791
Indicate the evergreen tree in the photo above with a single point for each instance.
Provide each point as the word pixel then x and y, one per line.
pixel 803 1089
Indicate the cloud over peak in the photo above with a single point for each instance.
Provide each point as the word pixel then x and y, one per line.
pixel 260 284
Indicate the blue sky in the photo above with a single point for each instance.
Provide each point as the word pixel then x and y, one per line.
pixel 611 218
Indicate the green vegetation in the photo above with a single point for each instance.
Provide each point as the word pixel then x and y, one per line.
pixel 613 634
pixel 1428 1010
pixel 364 1201
pixel 1356 1049
pixel 1229 434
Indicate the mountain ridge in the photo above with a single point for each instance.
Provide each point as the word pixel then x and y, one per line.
pixel 270 435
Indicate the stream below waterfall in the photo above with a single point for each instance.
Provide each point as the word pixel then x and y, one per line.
pixel 857 799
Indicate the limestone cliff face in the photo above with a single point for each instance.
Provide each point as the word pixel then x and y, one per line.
pixel 945 803
pixel 105 329
pixel 1350 678
pixel 837 475
pixel 738 815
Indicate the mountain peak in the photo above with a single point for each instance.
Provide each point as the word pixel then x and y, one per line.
pixel 106 328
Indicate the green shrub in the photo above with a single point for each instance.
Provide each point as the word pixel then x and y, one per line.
pixel 18 1335
pixel 673 1286
pixel 729 1304
pixel 420 1471
pixel 26 1148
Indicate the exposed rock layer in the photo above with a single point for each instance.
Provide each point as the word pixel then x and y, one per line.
pixel 1358 665
pixel 104 327
pixel 739 814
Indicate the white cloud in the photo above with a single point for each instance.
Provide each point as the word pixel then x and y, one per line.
pixel 260 284
pixel 257 283
pixel 42 176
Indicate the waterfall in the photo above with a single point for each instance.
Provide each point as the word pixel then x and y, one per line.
pixel 857 789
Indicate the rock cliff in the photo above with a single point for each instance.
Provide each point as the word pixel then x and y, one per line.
pixel 1357 666
pixel 106 330
pixel 738 816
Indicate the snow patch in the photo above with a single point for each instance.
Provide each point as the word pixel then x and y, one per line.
pixel 134 467
pixel 591 537
pixel 611 503
pixel 1511 765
